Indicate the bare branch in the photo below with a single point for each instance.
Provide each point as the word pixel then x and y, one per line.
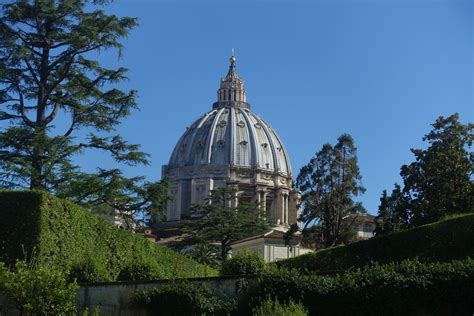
pixel 7 116
pixel 53 114
pixel 24 116
pixel 30 69
pixel 71 128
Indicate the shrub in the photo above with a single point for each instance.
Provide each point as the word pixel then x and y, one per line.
pixel 37 290
pixel 406 288
pixel 206 254
pixel 275 308
pixel 74 240
pixel 449 239
pixel 139 271
pixel 244 262
pixel 89 270
pixel 183 298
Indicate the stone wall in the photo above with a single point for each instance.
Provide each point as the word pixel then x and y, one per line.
pixel 114 298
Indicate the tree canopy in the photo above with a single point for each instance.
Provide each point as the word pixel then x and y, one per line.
pixel 329 183
pixel 219 219
pixel 48 74
pixel 439 181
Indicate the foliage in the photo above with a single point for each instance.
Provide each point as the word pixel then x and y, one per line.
pixel 442 241
pixel 311 237
pixel 72 239
pixel 183 298
pixel 109 192
pixel 90 269
pixel 244 262
pixel 290 235
pixel 46 76
pixel 328 183
pixel 406 288
pixel 206 254
pixel 219 219
pixel 144 270
pixel 95 312
pixel 392 215
pixel 439 181
pixel 275 308
pixel 37 289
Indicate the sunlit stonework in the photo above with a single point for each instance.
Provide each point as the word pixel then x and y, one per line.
pixel 231 146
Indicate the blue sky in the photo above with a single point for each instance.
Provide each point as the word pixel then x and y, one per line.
pixel 382 71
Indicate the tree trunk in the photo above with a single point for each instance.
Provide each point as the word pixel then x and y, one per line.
pixel 40 124
pixel 224 250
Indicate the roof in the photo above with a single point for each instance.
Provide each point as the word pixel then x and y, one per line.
pixel 362 218
pixel 271 235
pixel 231 134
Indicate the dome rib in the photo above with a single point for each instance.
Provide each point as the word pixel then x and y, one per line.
pixel 251 132
pixel 276 164
pixel 233 137
pixel 284 154
pixel 211 136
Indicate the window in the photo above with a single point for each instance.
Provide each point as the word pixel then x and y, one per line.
pixel 368 228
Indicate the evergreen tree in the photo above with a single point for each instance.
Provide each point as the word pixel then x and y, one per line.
pixel 391 215
pixel 329 183
pixel 46 72
pixel 220 220
pixel 439 181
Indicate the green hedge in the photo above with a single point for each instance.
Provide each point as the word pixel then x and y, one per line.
pixel 63 234
pixel 446 240
pixel 244 262
pixel 275 308
pixel 406 288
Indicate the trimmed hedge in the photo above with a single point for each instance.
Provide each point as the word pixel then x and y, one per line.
pixel 91 249
pixel 406 288
pixel 242 263
pixel 446 240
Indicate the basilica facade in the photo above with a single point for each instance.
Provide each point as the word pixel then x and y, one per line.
pixel 231 146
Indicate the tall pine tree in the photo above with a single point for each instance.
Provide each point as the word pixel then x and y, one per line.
pixel 329 183
pixel 46 72
pixel 391 215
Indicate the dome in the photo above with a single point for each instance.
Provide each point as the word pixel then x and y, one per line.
pixel 231 135
pixel 230 146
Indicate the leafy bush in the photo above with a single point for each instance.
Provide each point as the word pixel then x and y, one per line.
pixel 37 290
pixel 183 298
pixel 206 254
pixel 406 288
pixel 74 240
pixel 244 262
pixel 446 240
pixel 89 270
pixel 275 308
pixel 139 271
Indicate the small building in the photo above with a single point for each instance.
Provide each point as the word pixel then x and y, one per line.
pixel 271 245
pixel 364 226
pixel 118 220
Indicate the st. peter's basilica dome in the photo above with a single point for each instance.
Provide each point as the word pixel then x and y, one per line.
pixel 230 146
